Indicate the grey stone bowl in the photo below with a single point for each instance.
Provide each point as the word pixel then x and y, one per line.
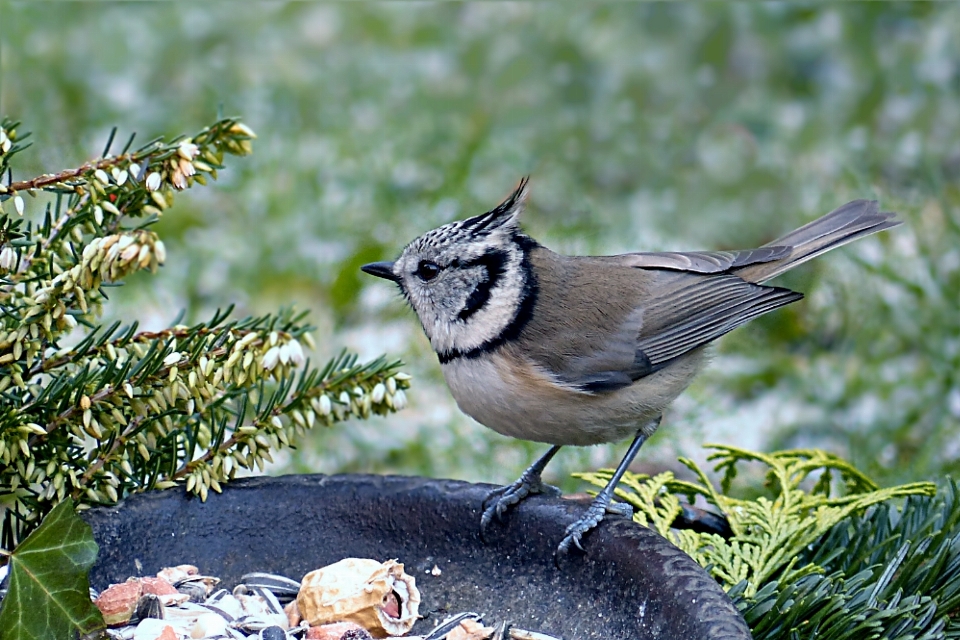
pixel 630 583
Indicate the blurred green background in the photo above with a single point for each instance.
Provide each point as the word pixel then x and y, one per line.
pixel 644 126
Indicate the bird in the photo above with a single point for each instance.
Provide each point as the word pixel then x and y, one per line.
pixel 583 350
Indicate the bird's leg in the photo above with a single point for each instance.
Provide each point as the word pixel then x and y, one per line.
pixel 511 494
pixel 601 504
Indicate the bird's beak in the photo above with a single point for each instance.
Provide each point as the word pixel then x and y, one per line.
pixel 381 270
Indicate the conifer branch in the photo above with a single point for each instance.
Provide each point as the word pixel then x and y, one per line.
pixel 124 410
pixel 62 178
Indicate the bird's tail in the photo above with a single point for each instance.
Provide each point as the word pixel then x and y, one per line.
pixel 839 227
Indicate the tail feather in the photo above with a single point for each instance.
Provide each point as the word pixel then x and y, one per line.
pixel 839 227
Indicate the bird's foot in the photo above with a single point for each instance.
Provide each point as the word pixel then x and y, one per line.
pixel 601 506
pixel 499 500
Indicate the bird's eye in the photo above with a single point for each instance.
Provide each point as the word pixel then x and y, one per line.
pixel 426 270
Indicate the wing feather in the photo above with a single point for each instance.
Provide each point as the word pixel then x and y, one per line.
pixel 707 324
pixel 702 261
pixel 654 307
pixel 599 336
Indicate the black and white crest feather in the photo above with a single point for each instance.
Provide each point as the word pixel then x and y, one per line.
pixel 505 213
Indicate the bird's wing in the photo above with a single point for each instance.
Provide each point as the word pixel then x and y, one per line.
pixel 701 261
pixel 672 313
pixel 843 225
pixel 695 311
pixel 629 326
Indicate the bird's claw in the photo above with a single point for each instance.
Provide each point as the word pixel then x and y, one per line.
pixel 594 515
pixel 620 509
pixel 505 497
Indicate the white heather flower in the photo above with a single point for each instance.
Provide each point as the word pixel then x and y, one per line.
pixel 325 405
pixel 270 358
pixel 399 400
pixel 187 168
pixel 379 392
pixel 8 258
pixel 188 150
pixel 159 200
pixel 285 353
pixel 153 181
pixel 243 129
pixel 112 253
pixel 134 170
pixel 88 252
pixel 18 204
pixel 143 258
pixel 173 358
pixel 160 250
pixel 36 430
pixel 296 352
pixel 130 253
pixel 122 177
pixel 102 176
pixel 250 338
pixel 177 180
pixel 98 215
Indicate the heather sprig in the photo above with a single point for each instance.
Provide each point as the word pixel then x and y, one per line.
pixel 115 410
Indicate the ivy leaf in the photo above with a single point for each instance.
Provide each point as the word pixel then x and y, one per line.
pixel 49 592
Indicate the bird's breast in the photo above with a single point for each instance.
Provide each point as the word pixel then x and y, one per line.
pixel 516 398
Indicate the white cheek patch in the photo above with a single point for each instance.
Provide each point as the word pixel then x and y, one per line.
pixel 476 300
pixel 489 322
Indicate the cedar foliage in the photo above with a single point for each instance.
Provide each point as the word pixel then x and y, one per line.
pixel 825 553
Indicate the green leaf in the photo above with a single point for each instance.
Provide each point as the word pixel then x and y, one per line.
pixel 49 592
